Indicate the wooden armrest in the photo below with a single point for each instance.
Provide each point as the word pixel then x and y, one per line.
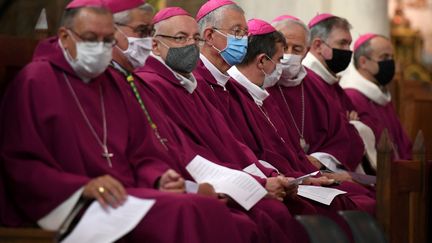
pixel 27 235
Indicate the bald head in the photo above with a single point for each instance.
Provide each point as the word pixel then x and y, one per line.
pixel 379 47
pixel 374 60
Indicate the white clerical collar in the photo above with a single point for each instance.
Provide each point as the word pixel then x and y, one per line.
pixel 221 78
pixel 311 62
pixel 257 93
pixel 352 79
pixel 189 84
pixel 293 82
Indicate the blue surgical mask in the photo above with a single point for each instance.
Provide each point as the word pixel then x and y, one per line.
pixel 235 50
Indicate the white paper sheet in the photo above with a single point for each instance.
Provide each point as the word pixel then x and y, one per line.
pixel 254 170
pixel 191 187
pixel 299 180
pixel 268 165
pixel 320 194
pixel 99 225
pixel 240 186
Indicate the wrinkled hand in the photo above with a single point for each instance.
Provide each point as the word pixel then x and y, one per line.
pixel 208 190
pixel 171 181
pixel 275 188
pixel 352 116
pixel 290 189
pixel 314 161
pixel 106 190
pixel 319 181
pixel 339 176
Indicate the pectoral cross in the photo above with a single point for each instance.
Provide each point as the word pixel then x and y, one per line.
pixel 107 155
pixel 162 140
pixel 304 145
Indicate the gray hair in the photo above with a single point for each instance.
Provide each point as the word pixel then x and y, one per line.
pixel 215 17
pixel 323 29
pixel 70 14
pixel 286 23
pixel 124 17
pixel 364 50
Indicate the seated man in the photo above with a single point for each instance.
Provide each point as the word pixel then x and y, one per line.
pixel 67 136
pixel 306 112
pixel 366 85
pixel 330 54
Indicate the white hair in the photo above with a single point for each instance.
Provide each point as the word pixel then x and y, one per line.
pixel 215 17
pixel 286 23
pixel 124 17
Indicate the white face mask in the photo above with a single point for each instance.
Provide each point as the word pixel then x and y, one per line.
pixel 291 66
pixel 271 79
pixel 138 49
pixel 293 71
pixel 92 59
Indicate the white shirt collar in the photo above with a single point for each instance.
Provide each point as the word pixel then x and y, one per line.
pixel 189 84
pixel 311 62
pixel 354 80
pixel 221 78
pixel 257 93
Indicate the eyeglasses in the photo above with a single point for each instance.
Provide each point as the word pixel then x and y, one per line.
pixel 270 59
pixel 183 39
pixel 141 30
pixel 107 40
pixel 237 32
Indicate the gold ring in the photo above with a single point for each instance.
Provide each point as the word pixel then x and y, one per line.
pixel 101 190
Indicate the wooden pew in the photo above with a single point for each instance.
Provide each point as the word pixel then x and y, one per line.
pixel 403 197
pixel 15 53
pixel 414 100
pixel 26 235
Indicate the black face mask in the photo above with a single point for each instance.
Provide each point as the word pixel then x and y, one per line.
pixel 183 59
pixel 386 72
pixel 340 60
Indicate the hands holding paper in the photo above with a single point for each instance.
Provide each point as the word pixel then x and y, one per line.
pixel 280 187
pixel 106 190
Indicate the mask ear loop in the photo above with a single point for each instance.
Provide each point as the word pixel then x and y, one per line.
pixel 125 36
pixel 226 36
pixel 69 56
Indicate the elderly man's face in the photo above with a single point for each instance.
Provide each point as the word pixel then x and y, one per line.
pixel 88 26
pixel 139 26
pixel 177 31
pixel 382 50
pixel 295 36
pixel 234 23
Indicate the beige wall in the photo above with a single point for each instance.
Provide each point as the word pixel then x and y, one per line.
pixel 364 15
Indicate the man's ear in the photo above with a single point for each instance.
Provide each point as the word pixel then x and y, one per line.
pixel 362 61
pixel 63 34
pixel 208 36
pixel 155 47
pixel 259 60
pixel 316 45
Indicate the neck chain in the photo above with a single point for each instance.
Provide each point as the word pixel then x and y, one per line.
pixel 130 79
pixel 271 123
pixel 303 144
pixel 105 153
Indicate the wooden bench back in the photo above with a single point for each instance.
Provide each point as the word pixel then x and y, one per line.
pixel 403 193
